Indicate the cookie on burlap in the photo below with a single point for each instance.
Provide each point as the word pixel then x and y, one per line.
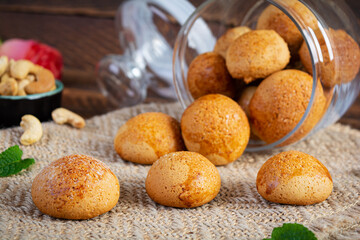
pixel 75 187
pixel 148 136
pixel 294 178
pixel 183 179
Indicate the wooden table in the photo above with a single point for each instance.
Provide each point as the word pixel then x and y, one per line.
pixel 84 32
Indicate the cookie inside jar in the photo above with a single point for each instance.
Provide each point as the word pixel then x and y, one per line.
pixel 288 64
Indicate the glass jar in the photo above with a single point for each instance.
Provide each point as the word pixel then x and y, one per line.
pixel 147 31
pixel 318 22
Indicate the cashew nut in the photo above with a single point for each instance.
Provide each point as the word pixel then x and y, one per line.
pixel 11 63
pixel 9 87
pixel 62 115
pixel 21 68
pixel 30 77
pixel 44 81
pixel 5 77
pixel 4 61
pixel 21 87
pixel 32 129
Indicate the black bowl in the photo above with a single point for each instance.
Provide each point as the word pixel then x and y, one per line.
pixel 12 108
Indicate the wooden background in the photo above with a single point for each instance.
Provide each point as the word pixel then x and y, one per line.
pixel 84 32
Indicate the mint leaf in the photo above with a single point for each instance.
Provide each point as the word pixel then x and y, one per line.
pixel 292 231
pixel 11 163
pixel 12 154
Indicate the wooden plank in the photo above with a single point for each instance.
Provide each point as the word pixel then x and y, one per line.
pixel 83 41
pixel 87 103
pixel 108 5
pixel 62 7
pixel 92 12
pixel 92 8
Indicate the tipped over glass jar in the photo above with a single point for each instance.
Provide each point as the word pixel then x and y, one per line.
pixel 292 65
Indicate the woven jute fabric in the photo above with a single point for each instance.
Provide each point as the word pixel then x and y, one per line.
pixel 238 211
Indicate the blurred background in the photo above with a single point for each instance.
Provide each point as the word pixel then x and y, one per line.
pixel 84 32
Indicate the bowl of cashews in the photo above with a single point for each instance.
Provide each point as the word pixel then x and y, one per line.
pixel 26 88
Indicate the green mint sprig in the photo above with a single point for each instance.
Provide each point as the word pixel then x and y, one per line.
pixel 11 163
pixel 291 231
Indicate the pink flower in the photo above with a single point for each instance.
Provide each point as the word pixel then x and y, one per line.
pixel 34 51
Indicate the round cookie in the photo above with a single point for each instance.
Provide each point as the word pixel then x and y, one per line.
pixel 223 43
pixel 274 19
pixel 345 49
pixel 183 179
pixel 75 187
pixel 280 102
pixel 216 127
pixel 294 178
pixel 257 54
pixel 148 136
pixel 208 74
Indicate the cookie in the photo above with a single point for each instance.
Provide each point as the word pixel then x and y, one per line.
pixel 75 187
pixel 257 54
pixel 294 178
pixel 273 18
pixel 148 136
pixel 279 103
pixel 347 52
pixel 223 43
pixel 183 180
pixel 216 127
pixel 208 74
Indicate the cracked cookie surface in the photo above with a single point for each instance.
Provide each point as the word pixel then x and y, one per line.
pixel 183 179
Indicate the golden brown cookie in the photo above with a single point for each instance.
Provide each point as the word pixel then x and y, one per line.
pixel 280 102
pixel 257 54
pixel 216 127
pixel 273 18
pixel 294 178
pixel 208 74
pixel 347 52
pixel 75 187
pixel 223 43
pixel 148 136
pixel 183 179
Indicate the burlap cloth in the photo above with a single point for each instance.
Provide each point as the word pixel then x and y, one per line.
pixel 238 212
